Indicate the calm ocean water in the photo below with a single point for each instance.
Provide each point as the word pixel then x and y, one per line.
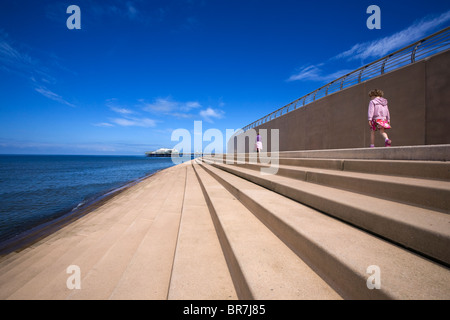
pixel 35 189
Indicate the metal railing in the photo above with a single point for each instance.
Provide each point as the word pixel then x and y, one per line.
pixel 433 44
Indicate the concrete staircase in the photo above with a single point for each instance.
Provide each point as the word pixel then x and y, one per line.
pixel 327 225
pixel 342 216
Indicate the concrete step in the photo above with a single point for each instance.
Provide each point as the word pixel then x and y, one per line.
pixel 438 170
pixel 140 262
pixel 433 194
pixel 424 152
pixel 439 152
pixel 88 222
pixel 199 271
pixel 261 265
pixel 81 243
pixel 32 262
pixel 199 231
pixel 52 240
pixel 422 230
pixel 338 252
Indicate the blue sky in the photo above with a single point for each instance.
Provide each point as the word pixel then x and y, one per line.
pixel 139 69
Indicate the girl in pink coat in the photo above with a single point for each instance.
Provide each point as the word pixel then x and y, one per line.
pixel 379 117
pixel 258 143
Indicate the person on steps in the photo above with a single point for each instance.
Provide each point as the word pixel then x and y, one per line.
pixel 259 145
pixel 379 117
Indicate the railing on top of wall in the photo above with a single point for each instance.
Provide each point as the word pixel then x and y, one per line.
pixel 419 50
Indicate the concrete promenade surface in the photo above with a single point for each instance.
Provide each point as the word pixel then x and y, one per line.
pixel 352 224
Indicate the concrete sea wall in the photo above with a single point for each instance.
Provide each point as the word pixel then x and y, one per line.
pixel 419 104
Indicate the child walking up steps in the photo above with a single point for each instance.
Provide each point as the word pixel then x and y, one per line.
pixel 379 117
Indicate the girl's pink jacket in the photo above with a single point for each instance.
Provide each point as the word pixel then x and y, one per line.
pixel 378 109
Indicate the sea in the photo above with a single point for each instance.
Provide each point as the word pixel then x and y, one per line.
pixel 38 189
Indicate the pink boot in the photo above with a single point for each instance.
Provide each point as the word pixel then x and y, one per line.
pixel 387 143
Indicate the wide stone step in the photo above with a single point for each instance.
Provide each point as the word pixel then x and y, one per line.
pixel 85 242
pixel 439 170
pixel 88 222
pixel 200 271
pixel 140 263
pixel 422 230
pixel 39 266
pixel 434 194
pixel 261 265
pixel 340 253
pixel 439 152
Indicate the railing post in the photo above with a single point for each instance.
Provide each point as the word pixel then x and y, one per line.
pixel 326 92
pixel 360 74
pixel 384 64
pixel 413 53
pixel 342 82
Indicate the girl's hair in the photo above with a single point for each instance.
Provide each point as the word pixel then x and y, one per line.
pixel 376 93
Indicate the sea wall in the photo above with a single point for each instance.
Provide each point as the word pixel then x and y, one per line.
pixel 419 104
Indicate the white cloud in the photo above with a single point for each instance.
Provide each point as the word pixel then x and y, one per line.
pixel 211 113
pixel 116 107
pixel 181 115
pixel 191 105
pixel 373 49
pixel 315 73
pixel 167 106
pixel 128 117
pixel 10 55
pixel 122 110
pixel 383 46
pixel 307 73
pixel 20 63
pixel 132 12
pixel 103 124
pixel 161 105
pixel 53 96
pixel 134 122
